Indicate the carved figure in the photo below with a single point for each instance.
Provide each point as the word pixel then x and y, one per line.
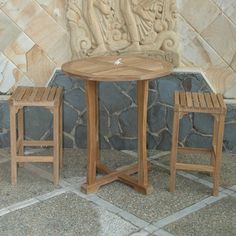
pixel 115 26
pixel 125 6
pixel 91 19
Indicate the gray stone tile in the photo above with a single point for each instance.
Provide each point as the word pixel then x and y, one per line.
pixel 28 185
pixel 67 214
pixel 160 203
pixel 4 153
pixel 216 219
pixel 228 166
pixel 75 162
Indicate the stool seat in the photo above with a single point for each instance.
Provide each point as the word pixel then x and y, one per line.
pixel 47 97
pixel 39 96
pixel 198 102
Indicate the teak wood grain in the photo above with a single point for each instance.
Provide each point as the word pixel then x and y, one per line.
pixel 213 104
pixel 50 98
pixel 132 68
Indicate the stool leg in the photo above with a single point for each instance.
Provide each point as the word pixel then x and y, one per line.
pixel 214 145
pixel 219 142
pixel 61 135
pixel 56 145
pixel 174 146
pixel 13 144
pixel 21 133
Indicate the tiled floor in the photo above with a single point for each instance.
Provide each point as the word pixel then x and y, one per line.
pixel 36 207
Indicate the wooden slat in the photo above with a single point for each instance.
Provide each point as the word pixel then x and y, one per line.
pixel 52 94
pixel 195 100
pixel 33 94
pixel 20 94
pixel 15 92
pixel 194 150
pixel 37 143
pixel 34 158
pixel 177 99
pixel 189 99
pixel 221 101
pixel 215 100
pixel 202 100
pixel 27 94
pixel 208 100
pixel 39 94
pixel 58 94
pixel 194 167
pixel 46 93
pixel 182 99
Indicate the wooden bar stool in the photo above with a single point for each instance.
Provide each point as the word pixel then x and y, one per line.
pixel 50 98
pixel 212 104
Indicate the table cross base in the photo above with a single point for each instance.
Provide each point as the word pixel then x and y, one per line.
pixel 122 174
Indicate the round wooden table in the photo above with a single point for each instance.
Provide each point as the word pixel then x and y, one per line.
pixel 113 69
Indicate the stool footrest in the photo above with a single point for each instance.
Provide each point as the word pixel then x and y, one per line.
pixel 194 150
pixel 34 158
pixel 194 167
pixel 31 143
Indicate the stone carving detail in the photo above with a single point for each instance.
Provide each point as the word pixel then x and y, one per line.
pixel 119 26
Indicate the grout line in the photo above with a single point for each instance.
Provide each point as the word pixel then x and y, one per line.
pixel 4 160
pixel 129 152
pixel 4 211
pixel 150 228
pixel 162 232
pixel 32 201
pixel 233 188
pixel 52 194
pixel 23 204
pixel 161 154
pixel 140 233
pixel 133 219
pixel 111 208
pixel 188 210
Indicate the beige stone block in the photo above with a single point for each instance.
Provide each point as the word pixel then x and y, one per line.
pixel 8 30
pixel 60 52
pixel 8 72
pixel 25 81
pixel 57 9
pixel 185 31
pixel 195 51
pixel 228 7
pixel 233 62
pixel 221 78
pixel 16 51
pixel 199 13
pixel 221 35
pixel 230 85
pixel 45 32
pixel 40 66
pixel 21 11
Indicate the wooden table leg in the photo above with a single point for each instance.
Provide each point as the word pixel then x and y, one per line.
pixel 92 136
pixel 142 98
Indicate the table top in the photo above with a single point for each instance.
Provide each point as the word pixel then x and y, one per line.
pixel 118 68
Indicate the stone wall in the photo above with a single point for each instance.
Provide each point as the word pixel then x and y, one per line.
pixel 37 36
pixel 208 31
pixel 118 115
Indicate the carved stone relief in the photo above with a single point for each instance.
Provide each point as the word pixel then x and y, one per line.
pixel 119 26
